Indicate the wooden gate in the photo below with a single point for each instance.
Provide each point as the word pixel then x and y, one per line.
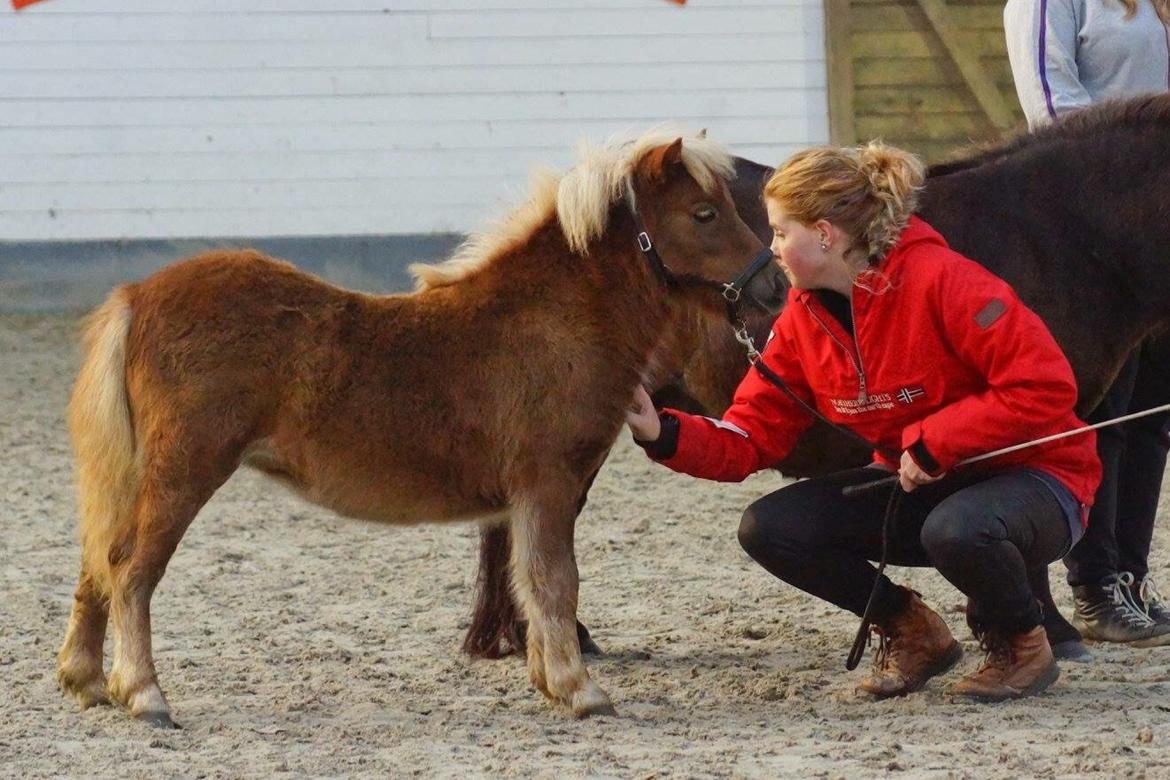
pixel 930 76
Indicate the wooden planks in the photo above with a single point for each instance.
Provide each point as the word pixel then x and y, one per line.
pixel 928 75
pixel 966 59
pixel 839 61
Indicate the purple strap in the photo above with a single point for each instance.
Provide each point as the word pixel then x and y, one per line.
pixel 1043 66
pixel 1166 26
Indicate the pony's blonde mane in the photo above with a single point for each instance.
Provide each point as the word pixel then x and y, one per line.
pixel 580 199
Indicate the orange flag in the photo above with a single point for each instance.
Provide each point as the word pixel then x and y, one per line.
pixel 18 4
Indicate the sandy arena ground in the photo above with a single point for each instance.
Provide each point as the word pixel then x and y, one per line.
pixel 292 642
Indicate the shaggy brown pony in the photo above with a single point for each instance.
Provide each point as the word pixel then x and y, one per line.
pixel 493 392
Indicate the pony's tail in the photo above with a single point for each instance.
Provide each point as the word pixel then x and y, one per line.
pixel 103 438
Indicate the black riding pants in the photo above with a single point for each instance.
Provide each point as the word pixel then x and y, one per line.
pixel 982 532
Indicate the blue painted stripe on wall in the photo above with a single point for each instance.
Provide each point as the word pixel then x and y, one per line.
pixel 74 275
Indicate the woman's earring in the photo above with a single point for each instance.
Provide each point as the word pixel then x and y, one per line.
pixel 824 246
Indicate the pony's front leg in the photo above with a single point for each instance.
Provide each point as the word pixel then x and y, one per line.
pixel 544 572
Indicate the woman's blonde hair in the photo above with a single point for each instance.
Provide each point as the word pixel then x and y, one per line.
pixel 1161 6
pixel 869 192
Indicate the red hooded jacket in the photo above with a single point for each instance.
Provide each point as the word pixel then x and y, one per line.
pixel 944 360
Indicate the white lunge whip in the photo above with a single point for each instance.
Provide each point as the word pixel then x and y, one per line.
pixel 854 490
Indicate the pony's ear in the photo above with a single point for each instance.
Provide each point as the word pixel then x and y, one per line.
pixel 655 162
pixel 702 134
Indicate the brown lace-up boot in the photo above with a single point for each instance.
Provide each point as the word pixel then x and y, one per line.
pixel 914 646
pixel 1015 667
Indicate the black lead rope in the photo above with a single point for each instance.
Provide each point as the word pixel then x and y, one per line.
pixel 860 642
pixel 862 639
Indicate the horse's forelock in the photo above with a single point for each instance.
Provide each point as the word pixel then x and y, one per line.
pixel 599 179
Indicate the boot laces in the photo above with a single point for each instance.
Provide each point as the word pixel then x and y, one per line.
pixel 1000 654
pixel 1119 588
pixel 1148 593
pixel 882 656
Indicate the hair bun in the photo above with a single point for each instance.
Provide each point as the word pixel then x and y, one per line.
pixel 894 177
pixel 890 170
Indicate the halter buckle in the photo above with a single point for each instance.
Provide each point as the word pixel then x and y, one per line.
pixel 644 242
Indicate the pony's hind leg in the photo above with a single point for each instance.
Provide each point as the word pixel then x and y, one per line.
pixel 165 508
pixel 496 629
pixel 79 664
pixel 545 577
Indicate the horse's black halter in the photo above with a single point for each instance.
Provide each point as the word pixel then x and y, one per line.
pixel 661 272
pixel 734 292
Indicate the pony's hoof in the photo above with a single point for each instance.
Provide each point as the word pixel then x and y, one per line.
pixel 86 695
pixel 592 701
pixel 160 720
pixel 1073 651
pixel 588 646
pixel 90 696
pixel 94 697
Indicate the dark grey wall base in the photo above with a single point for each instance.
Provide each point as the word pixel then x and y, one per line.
pixel 72 275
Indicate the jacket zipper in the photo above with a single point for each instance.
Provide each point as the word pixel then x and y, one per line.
pixel 864 397
pixel 863 394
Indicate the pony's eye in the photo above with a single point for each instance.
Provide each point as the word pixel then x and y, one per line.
pixel 704 213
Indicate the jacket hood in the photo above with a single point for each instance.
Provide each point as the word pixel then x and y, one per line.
pixel 916 232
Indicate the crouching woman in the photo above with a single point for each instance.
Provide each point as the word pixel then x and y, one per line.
pixel 933 359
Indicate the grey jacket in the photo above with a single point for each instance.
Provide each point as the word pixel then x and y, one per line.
pixel 1068 54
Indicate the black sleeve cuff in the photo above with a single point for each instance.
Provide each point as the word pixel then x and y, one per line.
pixel 924 459
pixel 666 445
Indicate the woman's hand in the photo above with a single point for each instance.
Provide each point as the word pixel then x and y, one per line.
pixel 910 475
pixel 642 417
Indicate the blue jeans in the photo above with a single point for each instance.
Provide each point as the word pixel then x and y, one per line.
pixel 982 531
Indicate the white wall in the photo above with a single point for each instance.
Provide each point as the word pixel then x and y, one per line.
pixel 152 119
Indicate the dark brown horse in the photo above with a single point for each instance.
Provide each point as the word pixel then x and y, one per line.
pixel 494 392
pixel 1075 216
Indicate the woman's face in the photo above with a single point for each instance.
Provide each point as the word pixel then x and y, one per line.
pixel 798 250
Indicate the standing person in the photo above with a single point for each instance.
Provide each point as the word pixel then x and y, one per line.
pixel 934 359
pixel 1066 55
